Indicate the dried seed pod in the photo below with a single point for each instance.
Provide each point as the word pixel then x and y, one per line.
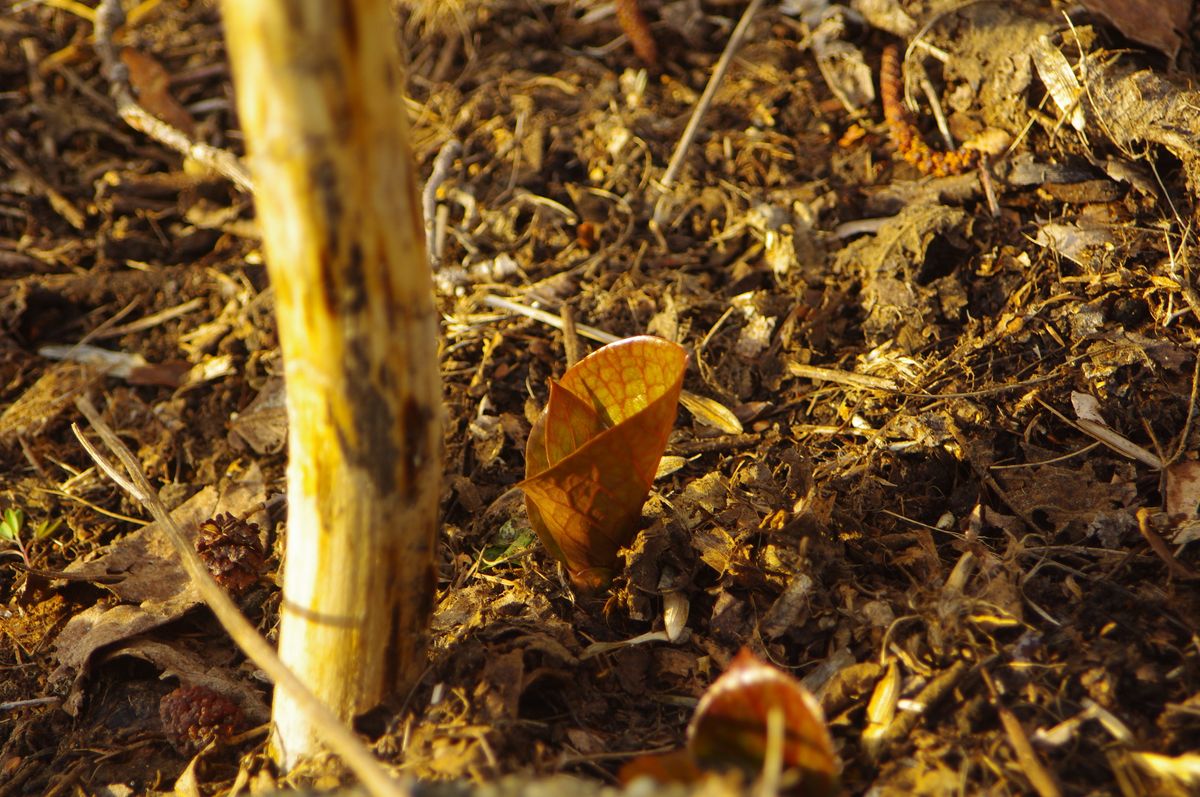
pixel 193 716
pixel 231 550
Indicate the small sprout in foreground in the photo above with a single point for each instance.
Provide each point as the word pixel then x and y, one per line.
pixel 511 541
pixel 730 726
pixel 12 522
pixel 593 453
pixel 759 719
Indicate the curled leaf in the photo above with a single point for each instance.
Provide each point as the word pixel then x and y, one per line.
pixel 592 454
pixel 730 725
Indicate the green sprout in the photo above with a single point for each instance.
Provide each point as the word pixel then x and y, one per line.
pixel 12 521
pixel 10 524
pixel 512 541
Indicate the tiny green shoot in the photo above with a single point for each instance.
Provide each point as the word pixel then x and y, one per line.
pixel 512 540
pixel 12 521
pixel 45 528
pixel 10 524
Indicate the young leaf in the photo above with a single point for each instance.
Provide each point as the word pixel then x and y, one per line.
pixel 592 454
pixel 10 524
pixel 511 541
pixel 45 528
pixel 730 725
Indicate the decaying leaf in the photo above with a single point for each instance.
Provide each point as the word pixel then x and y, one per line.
pixel 179 661
pixel 593 453
pixel 1156 23
pixel 1060 81
pixel 263 424
pixel 730 729
pixel 42 404
pixel 154 588
pixel 730 725
pixel 151 81
pixel 1183 500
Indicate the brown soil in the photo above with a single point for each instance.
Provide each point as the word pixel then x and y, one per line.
pixel 933 511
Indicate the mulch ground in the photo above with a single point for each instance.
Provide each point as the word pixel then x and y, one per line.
pixel 957 495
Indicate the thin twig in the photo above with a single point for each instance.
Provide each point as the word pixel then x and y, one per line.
pixel 1160 547
pixel 35 701
pixel 935 107
pixel 442 165
pixel 710 91
pixel 61 205
pixel 340 738
pixel 570 336
pixel 1115 441
pixel 583 330
pixel 146 322
pixel 1191 413
pixel 1039 777
pixel 847 378
pixel 725 419
pixel 109 17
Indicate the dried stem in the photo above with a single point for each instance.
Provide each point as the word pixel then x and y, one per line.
pixel 108 18
pixel 340 738
pixel 710 91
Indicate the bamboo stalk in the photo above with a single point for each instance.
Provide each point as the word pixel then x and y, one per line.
pixel 319 91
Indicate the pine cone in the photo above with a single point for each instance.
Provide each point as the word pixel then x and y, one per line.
pixel 232 551
pixel 193 716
